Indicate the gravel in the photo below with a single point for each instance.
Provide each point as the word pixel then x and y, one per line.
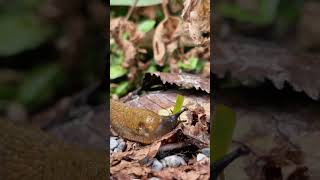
pixel 157 165
pixel 201 157
pixel 113 143
pixel 206 151
pixel 173 161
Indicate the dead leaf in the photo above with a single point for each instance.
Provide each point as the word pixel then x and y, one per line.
pixel 166 38
pixel 196 16
pixel 118 28
pixel 183 80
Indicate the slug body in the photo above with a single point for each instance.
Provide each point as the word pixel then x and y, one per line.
pixel 140 125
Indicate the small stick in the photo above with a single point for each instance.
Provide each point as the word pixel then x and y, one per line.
pixel 131 9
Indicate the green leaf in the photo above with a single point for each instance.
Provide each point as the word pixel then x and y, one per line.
pixel 152 68
pixel 131 2
pixel 190 65
pixel 40 85
pixel 146 26
pixel 20 33
pixel 179 103
pixel 222 132
pixel 117 71
pixel 125 35
pixel 122 89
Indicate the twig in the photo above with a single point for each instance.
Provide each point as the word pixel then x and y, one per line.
pixel 165 9
pixel 131 9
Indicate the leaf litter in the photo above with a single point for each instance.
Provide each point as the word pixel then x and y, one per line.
pixel 136 159
pixel 168 42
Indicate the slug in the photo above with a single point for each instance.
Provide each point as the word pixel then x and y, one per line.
pixel 141 125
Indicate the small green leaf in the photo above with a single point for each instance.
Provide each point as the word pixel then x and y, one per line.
pixel 122 88
pixel 125 35
pixel 146 26
pixel 190 65
pixel 131 2
pixel 117 71
pixel 222 132
pixel 152 68
pixel 179 103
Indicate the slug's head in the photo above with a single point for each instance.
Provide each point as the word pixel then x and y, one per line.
pixel 172 121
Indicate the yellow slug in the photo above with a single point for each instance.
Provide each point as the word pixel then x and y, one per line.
pixel 141 125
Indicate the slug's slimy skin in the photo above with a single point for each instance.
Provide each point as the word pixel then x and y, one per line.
pixel 141 125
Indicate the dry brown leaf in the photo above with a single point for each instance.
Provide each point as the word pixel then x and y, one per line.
pixel 137 154
pixel 184 80
pixel 196 16
pixel 129 168
pixel 120 26
pixel 200 52
pixel 166 38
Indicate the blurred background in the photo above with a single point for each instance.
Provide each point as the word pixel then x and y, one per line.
pixel 52 63
pixel 266 69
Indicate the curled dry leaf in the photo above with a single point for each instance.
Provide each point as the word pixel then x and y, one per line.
pixel 200 52
pixel 199 125
pixel 137 155
pixel 196 17
pixel 183 80
pixel 118 28
pixel 166 38
pixel 131 169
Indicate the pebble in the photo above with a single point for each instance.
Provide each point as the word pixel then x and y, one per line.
pixel 201 156
pixel 156 165
pixel 154 178
pixel 206 151
pixel 113 143
pixel 173 161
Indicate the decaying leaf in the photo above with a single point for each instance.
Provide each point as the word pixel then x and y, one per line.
pixel 196 16
pixel 166 38
pixel 183 80
pixel 251 60
pixel 119 29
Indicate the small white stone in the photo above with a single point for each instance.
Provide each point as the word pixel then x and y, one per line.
pixel 113 143
pixel 121 146
pixel 201 157
pixel 206 151
pixel 156 165
pixel 154 178
pixel 173 161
